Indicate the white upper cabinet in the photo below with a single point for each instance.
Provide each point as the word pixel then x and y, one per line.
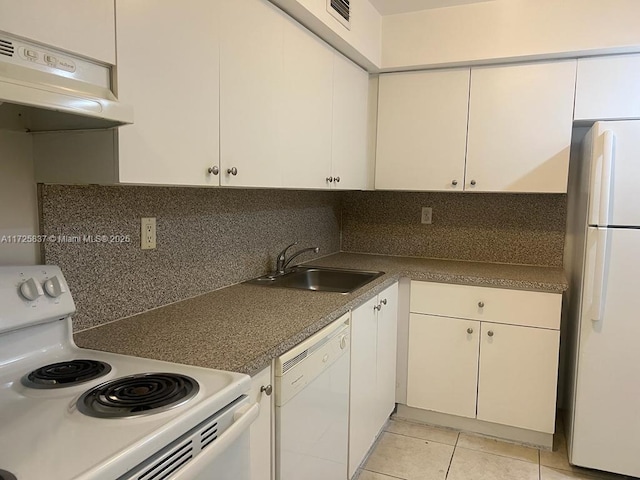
pixel 168 69
pixel 520 123
pixel 306 110
pixel 251 86
pixel 422 129
pixel 608 88
pixel 83 27
pixel 349 139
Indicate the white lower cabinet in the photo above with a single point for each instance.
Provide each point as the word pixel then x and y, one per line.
pixel 261 434
pixel 494 370
pixel 517 376
pixel 443 364
pixel 373 368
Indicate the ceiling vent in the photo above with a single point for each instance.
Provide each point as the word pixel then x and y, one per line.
pixel 341 11
pixel 6 47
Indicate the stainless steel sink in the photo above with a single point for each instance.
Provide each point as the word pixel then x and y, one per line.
pixel 319 279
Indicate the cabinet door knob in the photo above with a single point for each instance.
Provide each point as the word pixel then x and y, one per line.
pixel 490 333
pixel 378 307
pixel 383 301
pixel 337 179
pixel 233 171
pixel 454 182
pixel 481 304
pixel 267 390
pixel 214 170
pixel 473 183
pixel 329 179
pixel 469 330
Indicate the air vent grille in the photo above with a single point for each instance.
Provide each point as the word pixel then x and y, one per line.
pixel 169 463
pixel 208 435
pixel 342 7
pixel 289 364
pixel 6 48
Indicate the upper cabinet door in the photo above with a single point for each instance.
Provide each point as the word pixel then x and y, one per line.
pixel 251 82
pixel 350 116
pixel 306 116
pixel 79 26
pixel 608 88
pixel 168 70
pixel 520 122
pixel 422 129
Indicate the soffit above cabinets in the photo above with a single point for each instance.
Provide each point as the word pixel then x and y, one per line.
pixel 392 7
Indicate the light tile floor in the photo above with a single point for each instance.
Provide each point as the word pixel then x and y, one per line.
pixel 412 451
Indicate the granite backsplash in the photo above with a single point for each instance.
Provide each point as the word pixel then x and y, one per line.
pixel 501 228
pixel 210 238
pixel 206 239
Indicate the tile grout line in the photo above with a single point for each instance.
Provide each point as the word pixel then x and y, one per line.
pixel 384 474
pixel 420 438
pixel 452 454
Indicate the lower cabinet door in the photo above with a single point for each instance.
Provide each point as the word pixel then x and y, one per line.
pixel 518 376
pixel 443 364
pixel 363 390
pixel 387 345
pixel 260 433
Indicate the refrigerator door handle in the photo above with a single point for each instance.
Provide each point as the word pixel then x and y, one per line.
pixel 600 273
pixel 608 157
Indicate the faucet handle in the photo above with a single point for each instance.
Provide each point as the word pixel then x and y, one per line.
pixel 284 251
pixel 282 258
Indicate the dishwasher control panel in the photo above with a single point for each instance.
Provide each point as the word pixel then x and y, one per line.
pixel 301 365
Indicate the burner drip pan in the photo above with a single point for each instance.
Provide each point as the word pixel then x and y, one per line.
pixel 65 374
pixel 136 395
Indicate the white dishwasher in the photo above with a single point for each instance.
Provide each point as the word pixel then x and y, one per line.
pixel 312 406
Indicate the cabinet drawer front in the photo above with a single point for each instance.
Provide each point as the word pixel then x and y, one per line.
pixel 516 307
pixel 518 376
pixel 443 364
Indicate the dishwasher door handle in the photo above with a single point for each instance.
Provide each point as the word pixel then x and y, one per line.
pixel 243 418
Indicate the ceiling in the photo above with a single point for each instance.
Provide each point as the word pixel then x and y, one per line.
pixel 391 7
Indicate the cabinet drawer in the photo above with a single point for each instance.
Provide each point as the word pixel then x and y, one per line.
pixel 515 307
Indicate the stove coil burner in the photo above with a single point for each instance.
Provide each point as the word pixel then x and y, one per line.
pixel 4 475
pixel 141 394
pixel 65 374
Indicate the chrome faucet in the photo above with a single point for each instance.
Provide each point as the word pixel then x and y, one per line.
pixel 282 262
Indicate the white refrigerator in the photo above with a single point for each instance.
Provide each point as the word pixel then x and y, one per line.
pixel 603 262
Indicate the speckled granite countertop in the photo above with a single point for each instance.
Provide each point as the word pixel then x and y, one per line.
pixel 243 327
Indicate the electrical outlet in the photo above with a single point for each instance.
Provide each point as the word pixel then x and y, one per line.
pixel 426 215
pixel 148 233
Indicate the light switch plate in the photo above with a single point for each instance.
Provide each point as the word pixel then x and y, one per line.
pixel 427 215
pixel 148 233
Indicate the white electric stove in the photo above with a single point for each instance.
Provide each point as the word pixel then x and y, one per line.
pixel 70 413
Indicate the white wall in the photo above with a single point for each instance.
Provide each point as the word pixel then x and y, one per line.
pixel 18 199
pixel 506 30
pixel 362 43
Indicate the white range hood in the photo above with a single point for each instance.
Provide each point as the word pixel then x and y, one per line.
pixel 44 89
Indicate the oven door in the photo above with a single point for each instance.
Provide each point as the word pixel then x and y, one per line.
pixel 228 457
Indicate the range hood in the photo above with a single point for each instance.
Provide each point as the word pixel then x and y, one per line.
pixel 43 89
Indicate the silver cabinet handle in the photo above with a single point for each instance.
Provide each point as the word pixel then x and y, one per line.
pixel 469 330
pixel 267 390
pixel 214 170
pixel 481 304
pixel 329 179
pixel 233 171
pixel 337 179
pixel 473 182
pixel 377 307
pixel 383 301
pixel 490 333
pixel 454 182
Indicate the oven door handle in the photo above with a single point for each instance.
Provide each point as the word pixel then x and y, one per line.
pixel 243 418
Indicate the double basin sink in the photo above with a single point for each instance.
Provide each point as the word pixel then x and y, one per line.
pixel 319 279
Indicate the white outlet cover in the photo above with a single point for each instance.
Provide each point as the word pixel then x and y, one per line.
pixel 427 214
pixel 148 233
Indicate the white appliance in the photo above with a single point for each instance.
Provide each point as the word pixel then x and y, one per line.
pixel 603 260
pixel 45 89
pixel 70 413
pixel 312 406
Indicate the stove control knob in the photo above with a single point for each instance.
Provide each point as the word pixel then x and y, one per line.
pixel 31 289
pixel 54 287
